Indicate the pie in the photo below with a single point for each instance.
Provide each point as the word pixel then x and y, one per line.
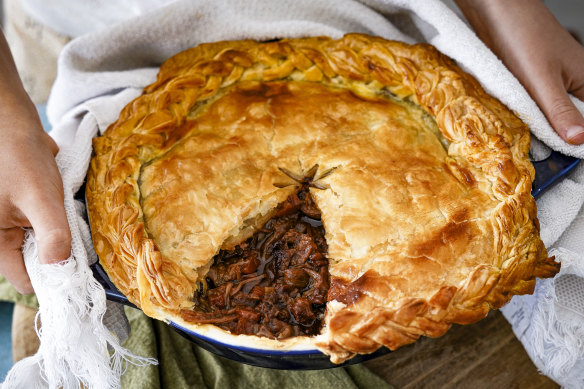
pixel 352 193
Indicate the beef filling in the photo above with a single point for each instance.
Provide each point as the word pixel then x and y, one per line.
pixel 274 284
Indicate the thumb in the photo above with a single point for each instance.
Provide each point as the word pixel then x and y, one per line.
pixel 564 117
pixel 49 222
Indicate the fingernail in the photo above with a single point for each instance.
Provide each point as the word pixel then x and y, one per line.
pixel 575 135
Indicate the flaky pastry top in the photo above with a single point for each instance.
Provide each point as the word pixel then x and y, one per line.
pixel 423 182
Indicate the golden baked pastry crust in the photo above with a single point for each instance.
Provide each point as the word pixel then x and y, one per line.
pixel 424 182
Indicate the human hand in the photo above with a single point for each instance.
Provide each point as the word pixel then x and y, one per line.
pixel 543 56
pixel 31 190
pixel 31 195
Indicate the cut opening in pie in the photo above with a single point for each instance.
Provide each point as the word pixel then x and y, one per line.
pixel 275 283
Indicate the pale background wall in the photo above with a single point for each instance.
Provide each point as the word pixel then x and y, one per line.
pixel 570 13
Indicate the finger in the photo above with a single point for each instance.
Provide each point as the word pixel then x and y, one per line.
pixel 563 115
pixel 49 222
pixel 11 261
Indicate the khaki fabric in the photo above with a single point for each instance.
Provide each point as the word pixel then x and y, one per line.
pixel 8 293
pixel 185 365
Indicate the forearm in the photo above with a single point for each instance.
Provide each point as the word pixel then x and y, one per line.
pixel 31 191
pixel 15 104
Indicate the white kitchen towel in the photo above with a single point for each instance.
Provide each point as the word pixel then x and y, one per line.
pixel 101 72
